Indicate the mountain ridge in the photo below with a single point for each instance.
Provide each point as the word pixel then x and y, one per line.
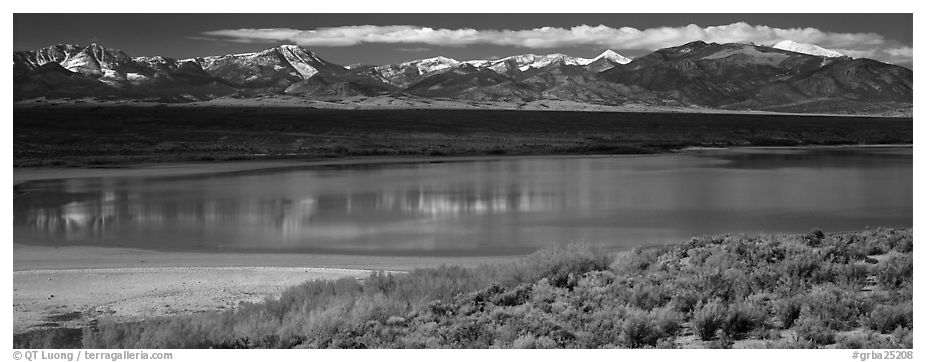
pixel 723 76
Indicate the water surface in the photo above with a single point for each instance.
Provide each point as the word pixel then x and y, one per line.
pixel 506 206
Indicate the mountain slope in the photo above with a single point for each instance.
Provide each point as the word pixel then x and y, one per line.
pixel 741 76
pixel 275 68
pixel 468 82
pixel 328 86
pixel 407 73
pixel 76 71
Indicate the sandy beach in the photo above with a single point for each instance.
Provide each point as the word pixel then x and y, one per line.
pixel 72 286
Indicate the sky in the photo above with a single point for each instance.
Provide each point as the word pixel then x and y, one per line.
pixel 392 38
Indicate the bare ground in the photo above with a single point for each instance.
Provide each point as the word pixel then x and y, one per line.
pixel 72 286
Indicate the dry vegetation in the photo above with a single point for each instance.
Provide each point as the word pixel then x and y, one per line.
pixel 113 135
pixel 847 290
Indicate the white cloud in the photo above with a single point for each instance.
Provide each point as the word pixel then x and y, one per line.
pixel 900 52
pixel 624 38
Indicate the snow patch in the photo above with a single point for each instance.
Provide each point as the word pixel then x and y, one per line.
pixel 135 77
pixel 805 48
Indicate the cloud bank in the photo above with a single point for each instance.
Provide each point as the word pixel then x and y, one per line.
pixel 863 45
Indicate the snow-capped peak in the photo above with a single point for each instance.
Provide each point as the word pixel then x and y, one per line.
pixel 526 61
pixel 432 64
pixel 477 62
pixel 612 56
pixel 291 47
pixel 92 60
pixel 402 74
pixel 806 49
pixel 423 66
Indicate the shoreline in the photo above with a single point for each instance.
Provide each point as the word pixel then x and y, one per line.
pixel 71 286
pixel 74 298
pixel 180 168
pixel 27 258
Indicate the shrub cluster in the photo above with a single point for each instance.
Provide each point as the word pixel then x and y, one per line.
pixel 721 289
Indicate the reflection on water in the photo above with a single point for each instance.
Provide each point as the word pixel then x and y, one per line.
pixel 486 207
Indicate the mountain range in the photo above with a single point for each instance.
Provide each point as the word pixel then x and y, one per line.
pixel 788 76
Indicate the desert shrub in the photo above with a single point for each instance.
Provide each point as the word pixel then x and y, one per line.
pixel 835 308
pixel 813 238
pixel 787 310
pixel 865 339
pixel 602 327
pixel 647 296
pixel 720 259
pixel 855 340
pixel 742 318
pixel 524 342
pixel 555 264
pixel 723 284
pixel 517 296
pixel 700 242
pixel 813 329
pixel 903 337
pixel 667 320
pixel 739 284
pixel 667 343
pixel 708 319
pixel 851 275
pixel 764 277
pixel 896 271
pixel 904 243
pixel 789 343
pixel 184 332
pixel 638 330
pixel 767 334
pixel 802 268
pixel 844 250
pixel 635 261
pixel 886 318
pixel 531 342
pixel 50 338
pixel 685 300
pixel 721 341
pixel 380 281
pixel 884 240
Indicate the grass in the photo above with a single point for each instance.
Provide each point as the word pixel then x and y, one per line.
pixel 771 291
pixel 103 136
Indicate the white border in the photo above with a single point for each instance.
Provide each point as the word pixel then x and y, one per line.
pixel 472 6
